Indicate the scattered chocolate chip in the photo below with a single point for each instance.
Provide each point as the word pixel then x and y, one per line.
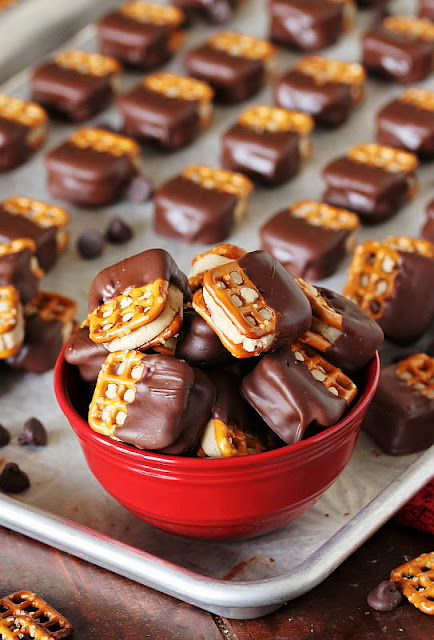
pixel 13 480
pixel 118 231
pixel 5 436
pixel 90 244
pixel 384 597
pixel 139 189
pixel 33 432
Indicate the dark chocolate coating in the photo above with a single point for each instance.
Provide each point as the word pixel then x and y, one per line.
pixel 138 44
pixel 199 345
pixel 137 271
pixel 234 78
pixel 397 56
pixel 86 176
pixel 360 335
pixel 406 126
pixel 14 149
pixel 281 293
pixel 171 406
pixel 428 228
pixel 373 192
pixel 385 597
pixel 86 355
pixel 33 433
pixel 305 250
pixel 216 11
pixel 288 398
pixel 151 115
pixel 43 341
pixel 14 226
pixel 16 270
pixel 70 93
pixel 426 9
pixel 399 418
pixel 309 25
pixel 272 157
pixel 192 213
pixel 330 103
pixel 408 312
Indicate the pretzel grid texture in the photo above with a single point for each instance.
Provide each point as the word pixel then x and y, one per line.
pixel 9 306
pixel 51 307
pixel 41 213
pixel 418 373
pixel 389 158
pixel 320 311
pixel 422 98
pixel 27 113
pixel 152 13
pixel 22 628
pixel 335 381
pixel 29 605
pixel 127 312
pixel 320 214
pixel 115 389
pixel 219 179
pixel 93 64
pixel 324 70
pixel 105 142
pixel 173 85
pixel 233 291
pixel 229 252
pixel 266 118
pixel 242 45
pixel 416 581
pixel 409 26
pixel 371 277
pixel 411 245
pixel 17 245
pixel 232 441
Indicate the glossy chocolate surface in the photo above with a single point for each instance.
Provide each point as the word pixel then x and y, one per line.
pixel 70 93
pixel 397 56
pixel 305 250
pixel 234 78
pixel 199 345
pixel 281 293
pixel 136 43
pixel 86 355
pixel 330 103
pixel 14 149
pixel 268 156
pixel 150 115
pixel 14 226
pixel 306 24
pixel 217 11
pixel 428 228
pixel 86 176
pixel 137 271
pixel 400 418
pixel 16 270
pixel 171 406
pixel 43 341
pixel 288 398
pixel 406 126
pixel 372 192
pixel 187 211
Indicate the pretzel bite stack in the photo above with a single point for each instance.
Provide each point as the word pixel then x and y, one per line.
pixel 236 359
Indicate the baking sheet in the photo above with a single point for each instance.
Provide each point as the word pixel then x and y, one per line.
pixel 61 482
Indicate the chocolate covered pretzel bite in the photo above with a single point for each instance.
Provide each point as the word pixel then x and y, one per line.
pixel 11 322
pixel 154 402
pixel 416 581
pixel 88 356
pixel 326 89
pixel 75 84
pixel 138 302
pixel 216 11
pixel 19 267
pixel 202 262
pixel 23 129
pixel 141 34
pixel 167 108
pixel 392 282
pixel 30 607
pixel 371 179
pixel 234 64
pixel 267 143
pixel 252 304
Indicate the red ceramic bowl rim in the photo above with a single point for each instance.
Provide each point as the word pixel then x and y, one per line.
pixel 185 462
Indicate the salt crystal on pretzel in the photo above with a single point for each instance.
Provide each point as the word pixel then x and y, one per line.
pixel 324 70
pixel 214 257
pixel 105 142
pixel 11 322
pixel 385 157
pixel 23 129
pixel 418 373
pixel 93 64
pixel 20 626
pixel 31 605
pixel 418 28
pixel 152 13
pixel 245 46
pixel 416 581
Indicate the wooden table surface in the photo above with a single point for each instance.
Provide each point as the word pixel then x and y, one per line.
pixel 105 606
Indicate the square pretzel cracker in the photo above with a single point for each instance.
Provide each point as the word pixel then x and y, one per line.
pixel 23 129
pixel 416 581
pixel 11 322
pixel 18 627
pixel 214 257
pixel 167 108
pixel 32 606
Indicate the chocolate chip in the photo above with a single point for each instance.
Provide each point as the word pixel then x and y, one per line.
pixel 13 480
pixel 118 231
pixel 33 432
pixel 5 436
pixel 90 244
pixel 384 597
pixel 139 189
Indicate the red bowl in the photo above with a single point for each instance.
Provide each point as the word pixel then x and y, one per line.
pixel 216 499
